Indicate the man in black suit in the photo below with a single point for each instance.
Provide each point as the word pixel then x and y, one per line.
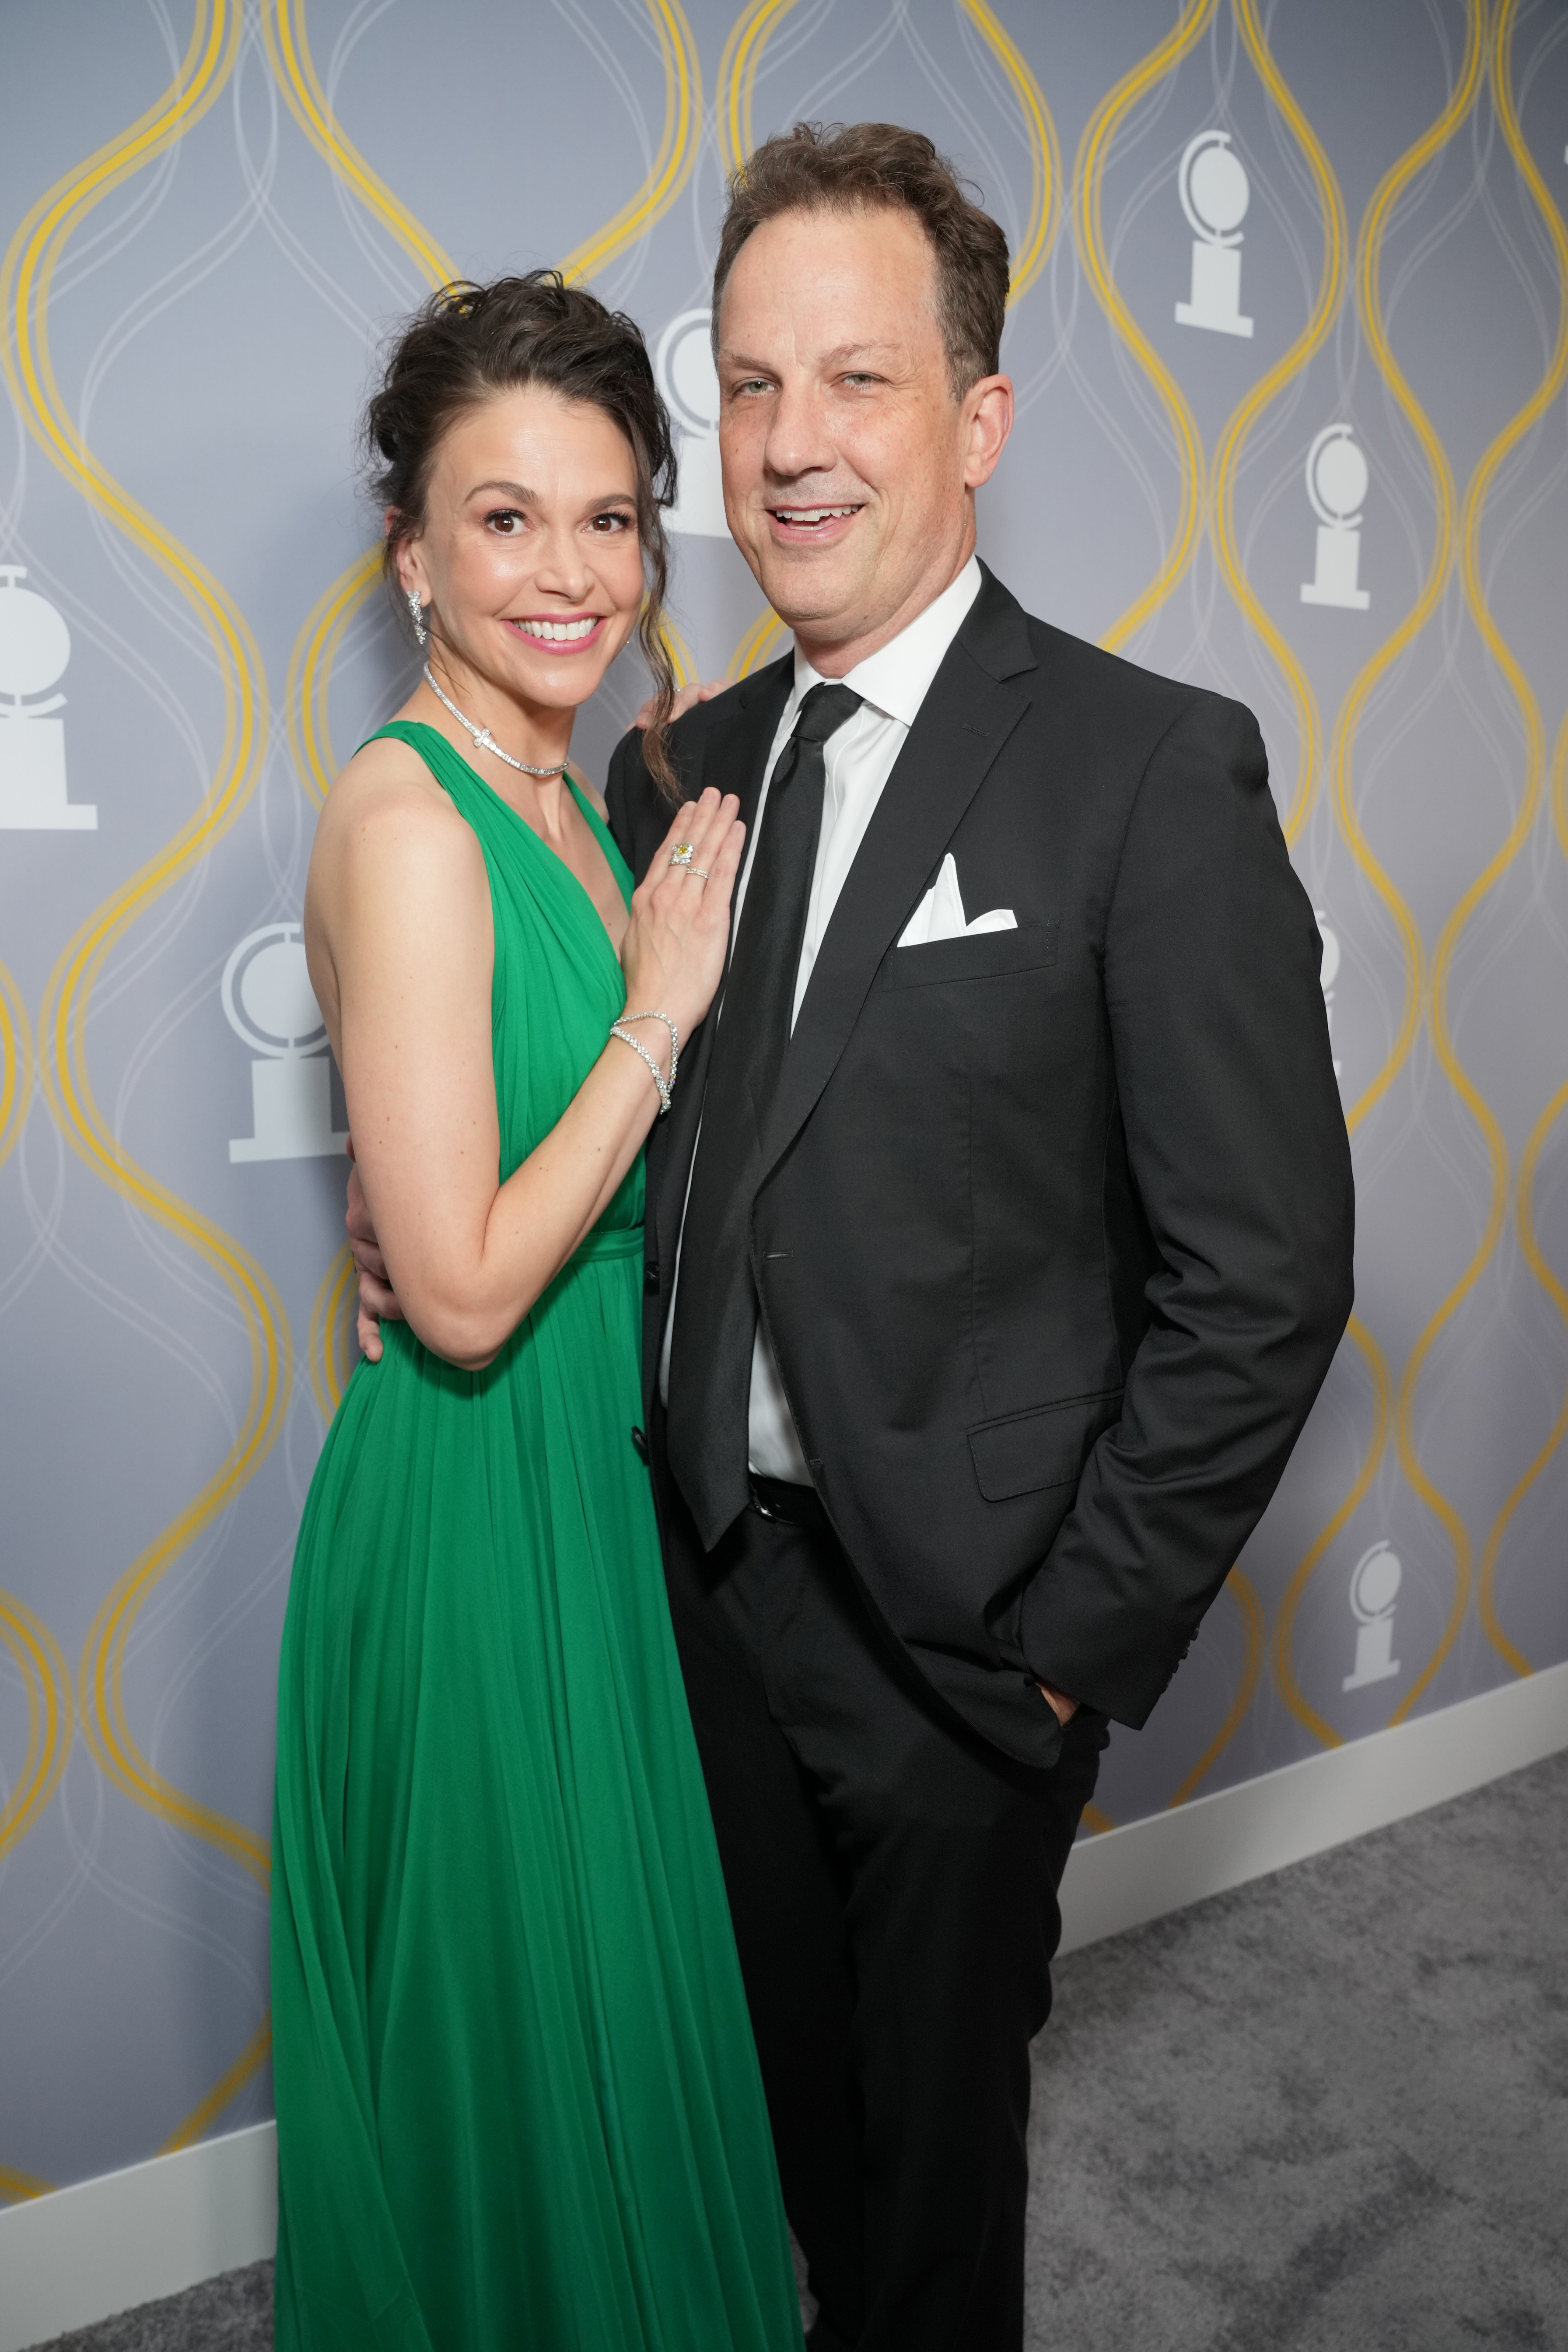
pixel 998 1241
pixel 998 1244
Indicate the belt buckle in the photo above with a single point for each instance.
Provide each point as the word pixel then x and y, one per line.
pixel 764 1510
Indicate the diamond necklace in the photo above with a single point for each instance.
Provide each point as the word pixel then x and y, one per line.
pixel 485 741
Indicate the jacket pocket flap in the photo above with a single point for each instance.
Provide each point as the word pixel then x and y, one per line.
pixel 1046 1446
pixel 977 955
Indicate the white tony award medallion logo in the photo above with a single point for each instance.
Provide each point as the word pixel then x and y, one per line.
pixel 35 646
pixel 1336 484
pixel 1375 1584
pixel 1212 184
pixel 271 1005
pixel 689 382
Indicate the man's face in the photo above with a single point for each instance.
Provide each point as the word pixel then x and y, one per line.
pixel 848 467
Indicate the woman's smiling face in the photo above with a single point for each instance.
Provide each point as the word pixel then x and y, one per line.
pixel 529 554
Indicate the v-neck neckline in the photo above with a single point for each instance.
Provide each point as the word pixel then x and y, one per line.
pixel 596 826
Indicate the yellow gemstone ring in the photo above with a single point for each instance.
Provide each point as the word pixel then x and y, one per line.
pixel 683 853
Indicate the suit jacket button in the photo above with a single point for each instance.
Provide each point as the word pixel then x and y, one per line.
pixel 641 1442
pixel 651 1280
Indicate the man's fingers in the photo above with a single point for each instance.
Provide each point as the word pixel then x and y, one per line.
pixel 377 1298
pixel 370 1261
pixel 684 701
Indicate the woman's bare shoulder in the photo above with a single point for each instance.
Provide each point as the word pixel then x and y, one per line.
pixel 385 793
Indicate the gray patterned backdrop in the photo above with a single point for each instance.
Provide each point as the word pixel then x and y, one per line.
pixel 1289 333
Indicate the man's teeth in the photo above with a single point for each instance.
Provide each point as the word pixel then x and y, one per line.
pixel 559 632
pixel 811 514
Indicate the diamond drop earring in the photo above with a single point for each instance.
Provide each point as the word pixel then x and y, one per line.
pixel 416 612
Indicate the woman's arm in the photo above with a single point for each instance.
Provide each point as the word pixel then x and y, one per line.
pixel 398 925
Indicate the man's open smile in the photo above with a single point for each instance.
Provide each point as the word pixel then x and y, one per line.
pixel 813 522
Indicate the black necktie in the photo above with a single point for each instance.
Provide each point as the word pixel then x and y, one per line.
pixel 716 1303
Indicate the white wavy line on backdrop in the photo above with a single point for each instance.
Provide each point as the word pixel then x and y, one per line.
pixel 254 84
pixel 134 1902
pixel 978 157
pixel 384 257
pixel 41 1925
pixel 615 285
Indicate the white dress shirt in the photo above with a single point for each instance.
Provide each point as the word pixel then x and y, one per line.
pixel 893 683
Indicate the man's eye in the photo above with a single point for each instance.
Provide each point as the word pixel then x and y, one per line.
pixel 751 384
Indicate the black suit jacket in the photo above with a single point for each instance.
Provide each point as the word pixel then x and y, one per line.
pixel 1054 1237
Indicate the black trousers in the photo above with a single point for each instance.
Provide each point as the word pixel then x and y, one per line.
pixel 892 1880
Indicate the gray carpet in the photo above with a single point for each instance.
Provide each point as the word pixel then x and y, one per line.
pixel 1327 2113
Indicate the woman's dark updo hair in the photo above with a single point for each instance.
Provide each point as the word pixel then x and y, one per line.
pixel 467 343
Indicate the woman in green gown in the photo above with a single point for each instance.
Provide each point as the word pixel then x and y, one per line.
pixel 517 2100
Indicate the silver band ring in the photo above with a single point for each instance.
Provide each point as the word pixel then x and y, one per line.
pixel 683 853
pixel 700 871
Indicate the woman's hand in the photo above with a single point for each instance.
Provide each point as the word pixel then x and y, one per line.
pixel 673 953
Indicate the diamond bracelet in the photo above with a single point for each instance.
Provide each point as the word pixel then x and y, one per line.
pixel 638 1047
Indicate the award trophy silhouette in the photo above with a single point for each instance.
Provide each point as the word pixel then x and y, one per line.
pixel 269 1003
pixel 1336 485
pixel 1373 1588
pixel 1212 185
pixel 35 646
pixel 689 382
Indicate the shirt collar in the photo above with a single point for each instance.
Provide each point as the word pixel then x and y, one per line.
pixel 896 679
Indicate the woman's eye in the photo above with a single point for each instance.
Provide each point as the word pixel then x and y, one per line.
pixel 505 520
pixel 608 526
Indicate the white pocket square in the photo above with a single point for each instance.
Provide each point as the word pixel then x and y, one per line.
pixel 940 914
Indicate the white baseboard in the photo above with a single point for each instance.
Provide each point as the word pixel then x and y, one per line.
pixel 80 2255
pixel 1126 1876
pixel 73 2258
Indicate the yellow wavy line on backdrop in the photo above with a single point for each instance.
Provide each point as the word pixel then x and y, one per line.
pixel 1232 440
pixel 15 1064
pixel 308 688
pixel 24 286
pixel 308 685
pixel 16 2188
pixel 733 115
pixel 329 1348
pixel 1285 1680
pixel 1535 763
pixel 738 65
pixel 51 1718
pixel 47 1679
pixel 227 2087
pixel 1088 180
pixel 1241 1591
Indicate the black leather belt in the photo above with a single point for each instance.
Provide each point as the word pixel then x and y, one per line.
pixel 779 1498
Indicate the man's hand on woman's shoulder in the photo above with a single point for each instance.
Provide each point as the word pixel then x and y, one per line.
pixel 687 700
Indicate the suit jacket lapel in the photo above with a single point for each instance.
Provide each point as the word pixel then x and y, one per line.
pixel 734 760
pixel 966 717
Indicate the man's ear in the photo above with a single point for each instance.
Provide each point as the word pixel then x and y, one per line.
pixel 988 420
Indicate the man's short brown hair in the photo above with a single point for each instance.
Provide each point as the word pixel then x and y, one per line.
pixel 864 167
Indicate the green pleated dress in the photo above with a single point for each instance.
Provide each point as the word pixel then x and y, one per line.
pixel 518 2104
